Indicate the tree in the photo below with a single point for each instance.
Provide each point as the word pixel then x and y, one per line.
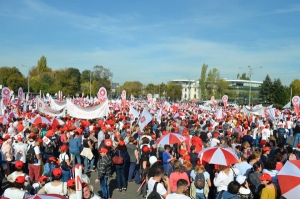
pixel 101 78
pixel 85 76
pixel 173 91
pixel 15 81
pixel 211 81
pixel 222 88
pixel 244 77
pixel 132 88
pixel 150 88
pixel 6 72
pixel 42 64
pixel 202 81
pixel 295 86
pixel 265 89
pixel 279 94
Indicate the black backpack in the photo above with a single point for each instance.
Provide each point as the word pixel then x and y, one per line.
pixel 154 194
pixel 48 148
pixel 63 165
pixel 30 155
pixel 199 181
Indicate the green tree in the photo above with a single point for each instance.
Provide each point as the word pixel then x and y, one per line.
pixel 85 76
pixel 202 81
pixel 279 94
pixel 15 81
pixel 265 90
pixel 132 88
pixel 6 72
pixel 101 78
pixel 222 88
pixel 213 77
pixel 295 86
pixel 244 77
pixel 173 91
pixel 42 65
pixel 150 88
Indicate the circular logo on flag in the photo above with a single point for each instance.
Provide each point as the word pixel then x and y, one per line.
pixel 225 98
pixel 5 91
pixel 295 100
pixel 123 93
pixel 108 142
pixel 131 117
pixel 45 139
pixel 20 93
pixel 143 119
pixel 40 104
pixel 102 92
pixel 149 96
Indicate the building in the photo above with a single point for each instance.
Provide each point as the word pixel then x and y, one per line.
pixel 240 89
pixel 189 88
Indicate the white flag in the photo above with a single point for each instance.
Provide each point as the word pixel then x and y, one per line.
pixel 158 115
pixel 145 118
pixel 133 113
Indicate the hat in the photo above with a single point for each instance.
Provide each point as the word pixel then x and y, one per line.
pixel 57 172
pixel 187 157
pixel 43 178
pixel 19 139
pixel 44 125
pixel 19 164
pixel 84 184
pixel 20 179
pixel 146 149
pixel 153 136
pixel 64 148
pixel 49 133
pixel 108 142
pixel 71 183
pixel 152 160
pixel 265 176
pixel 121 143
pixel 240 179
pixel 103 150
pixel 182 152
pixel 6 137
pixel 32 135
pixel 263 142
pixel 52 159
pixel 266 149
pixel 216 135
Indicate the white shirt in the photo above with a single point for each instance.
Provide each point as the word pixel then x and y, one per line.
pixel 177 196
pixel 222 180
pixel 96 196
pixel 60 189
pixel 72 196
pixel 63 156
pixel 14 175
pixel 101 137
pixel 265 134
pixel 20 150
pixel 15 193
pixel 244 168
pixel 160 187
pixel 214 142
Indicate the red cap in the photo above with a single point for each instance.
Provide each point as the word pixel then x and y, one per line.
pixel 187 157
pixel 266 149
pixel 49 133
pixel 52 159
pixel 19 139
pixel 108 142
pixel 19 164
pixel 146 149
pixel 71 183
pixel 57 172
pixel 199 163
pixel 122 143
pixel 103 150
pixel 21 179
pixel 153 136
pixel 32 135
pixel 43 178
pixel 265 176
pixel 182 152
pixel 84 184
pixel 64 148
pixel 44 125
pixel 6 137
pixel 263 142
pixel 216 135
pixel 4 198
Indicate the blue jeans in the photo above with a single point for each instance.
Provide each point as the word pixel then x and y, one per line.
pixel 200 196
pixel 77 157
pixel 91 163
pixel 104 187
pixel 66 175
pixel 131 170
pixel 121 182
pixel 296 140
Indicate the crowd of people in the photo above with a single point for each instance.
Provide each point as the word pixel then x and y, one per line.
pixel 39 158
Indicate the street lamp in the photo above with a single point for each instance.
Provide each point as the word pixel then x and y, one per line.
pixel 91 83
pixel 27 78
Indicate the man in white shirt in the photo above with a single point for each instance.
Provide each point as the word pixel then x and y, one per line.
pixel 158 175
pixel 20 150
pixel 35 167
pixel 182 186
pixel 215 141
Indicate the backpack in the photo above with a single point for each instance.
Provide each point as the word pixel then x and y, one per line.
pixel 154 194
pixel 199 181
pixel 63 165
pixel 30 155
pixel 48 148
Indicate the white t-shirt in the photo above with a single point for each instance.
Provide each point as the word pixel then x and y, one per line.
pixel 214 142
pixel 60 189
pixel 38 151
pixel 15 193
pixel 72 196
pixel 177 196
pixel 265 134
pixel 222 180
pixel 63 156
pixel 160 187
pixel 20 151
pixel 14 175
pixel 95 196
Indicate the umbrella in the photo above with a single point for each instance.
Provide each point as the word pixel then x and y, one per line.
pixel 170 138
pixel 47 196
pixel 39 120
pixel 218 155
pixel 289 179
pixel 3 120
pixel 56 121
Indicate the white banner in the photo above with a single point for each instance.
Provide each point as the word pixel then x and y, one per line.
pixel 56 105
pixel 48 110
pixel 158 116
pixel 259 111
pixel 87 113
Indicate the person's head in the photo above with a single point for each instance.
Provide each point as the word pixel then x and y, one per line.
pixel 182 186
pixel 146 150
pixel 193 148
pixel 43 180
pixel 233 187
pixel 131 139
pixel 270 164
pixel 246 145
pixel 158 171
pixel 86 135
pixel 103 151
pixel 178 166
pixel 278 157
pixel 56 174
pixel 19 165
pixel 167 147
pixel 272 143
pixel 266 150
pixel 63 149
pixel 245 157
pixel 265 179
pixel 19 182
pixel 257 167
pixel 199 168
pixel 122 146
pixel 289 149
pixel 71 185
pixel 86 191
pixel 238 148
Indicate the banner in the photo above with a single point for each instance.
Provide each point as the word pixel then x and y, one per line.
pixel 133 113
pixel 149 97
pixel 225 100
pixel 20 96
pixel 123 96
pixel 6 95
pixel 41 107
pixel 102 94
pixel 296 101
pixel 259 111
pixel 57 105
pixel 87 113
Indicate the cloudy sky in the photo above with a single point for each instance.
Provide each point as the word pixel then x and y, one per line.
pixel 154 41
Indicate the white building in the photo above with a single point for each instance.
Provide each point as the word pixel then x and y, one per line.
pixel 189 88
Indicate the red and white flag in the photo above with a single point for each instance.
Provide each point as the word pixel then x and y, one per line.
pixel 149 97
pixel 20 96
pixel 123 96
pixel 132 98
pixel 159 115
pixel 296 101
pixel 133 113
pixel 145 118
pixel 225 100
pixel 102 95
pixel 6 95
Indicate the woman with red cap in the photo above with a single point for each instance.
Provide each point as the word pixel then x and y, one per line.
pixel 269 191
pixel 56 186
pixel 120 168
pixel 18 189
pixel 64 163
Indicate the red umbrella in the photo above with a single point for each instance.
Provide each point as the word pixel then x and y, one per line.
pixel 47 196
pixel 39 120
pixel 218 155
pixel 170 138
pixel 289 179
pixel 3 120
pixel 56 122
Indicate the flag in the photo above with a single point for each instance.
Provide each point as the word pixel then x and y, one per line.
pixel 133 113
pixel 102 94
pixel 123 95
pixel 296 101
pixel 158 116
pixel 225 100
pixel 219 114
pixel 145 118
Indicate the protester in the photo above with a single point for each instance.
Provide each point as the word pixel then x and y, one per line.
pixel 156 179
pixel 182 186
pixel 177 174
pixel 270 190
pixel 18 189
pixel 120 168
pixel 56 186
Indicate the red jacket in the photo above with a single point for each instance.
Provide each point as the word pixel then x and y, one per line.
pixel 197 142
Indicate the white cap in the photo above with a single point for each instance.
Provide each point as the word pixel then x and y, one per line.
pixel 240 179
pixel 152 160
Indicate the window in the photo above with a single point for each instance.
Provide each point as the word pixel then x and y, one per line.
pixel 185 89
pixel 195 89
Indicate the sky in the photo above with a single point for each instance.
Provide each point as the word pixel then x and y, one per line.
pixel 154 41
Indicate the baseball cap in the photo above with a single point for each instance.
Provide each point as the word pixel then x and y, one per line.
pixel 19 164
pixel 52 158
pixel 266 149
pixel 146 149
pixel 265 176
pixel 57 172
pixel 43 178
pixel 121 143
pixel 64 148
pixel 152 160
pixel 19 139
pixel 71 183
pixel 103 150
pixel 187 157
pixel 240 179
pixel 31 135
pixel 20 179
